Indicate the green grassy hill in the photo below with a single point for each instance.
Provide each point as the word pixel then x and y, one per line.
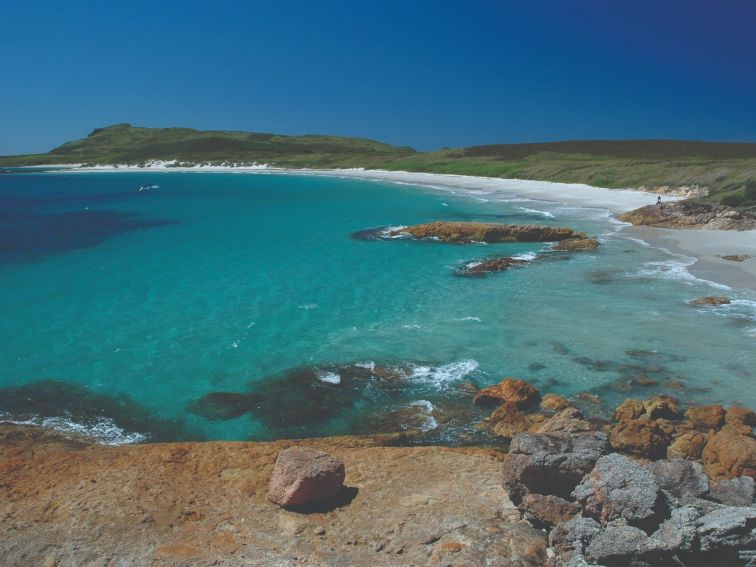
pixel 126 144
pixel 726 170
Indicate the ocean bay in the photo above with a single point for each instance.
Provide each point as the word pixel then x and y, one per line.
pixel 223 282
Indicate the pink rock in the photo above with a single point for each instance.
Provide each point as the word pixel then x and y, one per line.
pixel 304 475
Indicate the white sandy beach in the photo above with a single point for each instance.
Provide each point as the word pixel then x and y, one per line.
pixel 705 245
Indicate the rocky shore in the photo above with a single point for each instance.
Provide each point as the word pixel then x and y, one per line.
pixel 691 215
pixel 654 484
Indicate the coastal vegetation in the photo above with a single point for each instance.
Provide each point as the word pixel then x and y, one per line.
pixel 711 171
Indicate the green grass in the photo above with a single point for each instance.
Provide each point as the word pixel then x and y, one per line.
pixel 727 170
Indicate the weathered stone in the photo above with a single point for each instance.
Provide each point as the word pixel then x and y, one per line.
pixel 303 475
pixel 548 510
pixel 730 453
pixel 192 504
pixel 730 528
pixel 573 535
pixel 554 402
pixel 691 213
pixel 734 491
pixel 572 244
pixel 512 390
pixel 688 445
pixel 665 407
pixel 679 532
pixel 706 417
pixel 550 463
pixel 740 416
pixel 679 477
pixel 710 300
pixel 629 409
pixel 662 407
pixel 642 437
pixel 623 545
pixel 506 421
pixel 569 420
pixel 619 488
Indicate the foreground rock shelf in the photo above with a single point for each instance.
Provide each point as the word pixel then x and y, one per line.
pixel 69 503
pixel 655 485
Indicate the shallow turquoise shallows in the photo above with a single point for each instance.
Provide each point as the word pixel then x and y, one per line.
pixel 122 309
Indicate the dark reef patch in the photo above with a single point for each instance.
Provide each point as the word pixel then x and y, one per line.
pixel 31 237
pixel 78 404
pixel 348 399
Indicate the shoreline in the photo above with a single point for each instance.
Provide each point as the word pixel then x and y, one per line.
pixel 704 245
pixel 707 247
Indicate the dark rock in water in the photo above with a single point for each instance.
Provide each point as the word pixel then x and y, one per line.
pixel 466 232
pixel 550 463
pixel 483 267
pixel 736 257
pixel 87 408
pixel 617 488
pixel 217 406
pixel 536 366
pixel 304 475
pixel 573 536
pixel 710 300
pixel 572 244
pixel 545 511
pixel 679 477
pixel 733 492
pixel 512 390
pixel 559 348
pixel 623 545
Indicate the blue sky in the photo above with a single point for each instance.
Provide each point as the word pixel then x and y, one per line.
pixel 422 73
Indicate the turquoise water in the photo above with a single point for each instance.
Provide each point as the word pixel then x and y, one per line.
pixel 121 309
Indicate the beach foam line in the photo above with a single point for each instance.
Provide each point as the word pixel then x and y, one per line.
pixel 103 430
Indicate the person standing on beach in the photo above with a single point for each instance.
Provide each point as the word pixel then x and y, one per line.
pixel 658 201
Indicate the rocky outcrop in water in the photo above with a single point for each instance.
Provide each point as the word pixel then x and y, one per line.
pixel 691 214
pixel 482 267
pixel 710 300
pixel 572 244
pixel 467 232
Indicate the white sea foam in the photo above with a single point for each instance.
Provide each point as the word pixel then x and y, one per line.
pixel 369 365
pixel 675 270
pixel 387 232
pixel 329 377
pixel 309 306
pixel 537 212
pixel 471 319
pixel 430 421
pixel 442 376
pixel 102 429
pixel 526 256
pixel 411 326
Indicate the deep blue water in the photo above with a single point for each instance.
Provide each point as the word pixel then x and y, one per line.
pixel 122 311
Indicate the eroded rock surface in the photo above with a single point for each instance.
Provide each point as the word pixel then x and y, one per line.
pixel 68 503
pixel 691 214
